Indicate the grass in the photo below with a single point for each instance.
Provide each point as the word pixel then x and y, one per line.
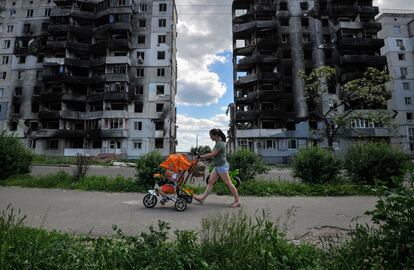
pixel 58 160
pixel 245 244
pixel 251 188
pixel 65 181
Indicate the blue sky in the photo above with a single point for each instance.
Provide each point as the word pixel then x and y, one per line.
pixel 225 72
pixel 205 83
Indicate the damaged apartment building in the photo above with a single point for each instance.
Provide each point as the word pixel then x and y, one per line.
pixel 273 40
pixel 89 76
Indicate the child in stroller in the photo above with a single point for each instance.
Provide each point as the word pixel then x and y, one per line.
pixel 171 185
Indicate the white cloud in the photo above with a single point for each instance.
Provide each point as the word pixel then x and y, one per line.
pixel 190 127
pixel 201 38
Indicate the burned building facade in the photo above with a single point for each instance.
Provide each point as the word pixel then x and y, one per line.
pixel 90 77
pixel 275 40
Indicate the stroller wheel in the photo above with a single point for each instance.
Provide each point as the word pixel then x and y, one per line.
pixel 180 204
pixel 150 200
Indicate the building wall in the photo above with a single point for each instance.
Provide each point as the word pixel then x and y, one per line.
pixel 33 69
pixel 314 30
pixel 397 32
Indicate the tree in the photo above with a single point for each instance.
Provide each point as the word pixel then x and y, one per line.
pixel 364 98
pixel 14 157
pixel 200 150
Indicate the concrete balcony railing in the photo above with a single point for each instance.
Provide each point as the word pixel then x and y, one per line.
pixel 358 25
pixel 45 96
pixel 62 45
pixel 108 133
pixel 367 132
pixel 74 12
pixel 247 115
pixel 46 114
pixel 248 62
pixel 119 44
pixel 118 60
pixel 114 95
pixel 276 114
pixel 349 43
pixel 112 77
pixel 66 78
pixel 244 50
pixel 249 98
pixel 58 28
pixel 246 79
pixel 114 27
pixel 244 29
pixel 365 60
pixel 52 61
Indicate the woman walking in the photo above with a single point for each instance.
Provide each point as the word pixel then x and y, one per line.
pixel 221 167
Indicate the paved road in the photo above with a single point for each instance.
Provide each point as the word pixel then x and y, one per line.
pixel 95 212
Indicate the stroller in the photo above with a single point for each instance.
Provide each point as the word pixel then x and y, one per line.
pixel 171 186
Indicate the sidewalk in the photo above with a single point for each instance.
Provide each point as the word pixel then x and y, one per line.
pixel 94 213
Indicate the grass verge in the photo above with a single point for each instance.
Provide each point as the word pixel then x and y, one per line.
pixel 252 188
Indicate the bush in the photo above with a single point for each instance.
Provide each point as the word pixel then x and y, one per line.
pixel 390 245
pixel 14 157
pixel 248 164
pixel 316 165
pixel 147 166
pixel 200 150
pixel 371 163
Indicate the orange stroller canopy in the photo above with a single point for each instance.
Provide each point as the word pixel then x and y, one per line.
pixel 176 163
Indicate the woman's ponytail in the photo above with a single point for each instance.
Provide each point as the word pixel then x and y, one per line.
pixel 218 132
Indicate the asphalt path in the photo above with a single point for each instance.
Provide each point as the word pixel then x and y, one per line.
pixel 94 213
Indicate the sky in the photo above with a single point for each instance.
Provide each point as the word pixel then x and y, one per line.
pixel 205 76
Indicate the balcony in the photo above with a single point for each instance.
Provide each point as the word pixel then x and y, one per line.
pixel 118 60
pixel 355 43
pixel 112 77
pixel 242 4
pixel 368 10
pixel 65 78
pixel 246 79
pixel 44 96
pixel 276 114
pixel 247 115
pixel 272 95
pixel 59 133
pixel 249 98
pixel 367 132
pixel 114 27
pixel 119 44
pixel 268 42
pixel 358 26
pixel 75 12
pixel 270 76
pixel 244 50
pixel 62 45
pixel 363 60
pixel 76 115
pixel 114 10
pixel 248 62
pixel 265 8
pixel 245 29
pixel 74 97
pixel 45 114
pixel 76 30
pixel 108 133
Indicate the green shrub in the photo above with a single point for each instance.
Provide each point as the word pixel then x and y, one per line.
pixel 316 165
pixel 14 157
pixel 390 245
pixel 248 163
pixel 373 163
pixel 147 166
